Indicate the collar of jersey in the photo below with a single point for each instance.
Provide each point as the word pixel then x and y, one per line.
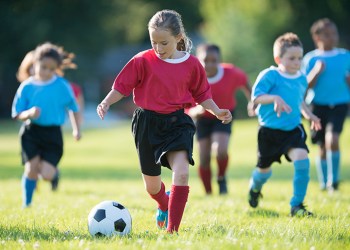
pixel 177 60
pixel 218 76
pixel 327 53
pixel 287 75
pixel 38 82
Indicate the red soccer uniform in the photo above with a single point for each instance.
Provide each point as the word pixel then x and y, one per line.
pixel 224 86
pixel 163 86
pixel 76 89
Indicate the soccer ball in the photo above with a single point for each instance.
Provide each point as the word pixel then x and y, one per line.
pixel 109 218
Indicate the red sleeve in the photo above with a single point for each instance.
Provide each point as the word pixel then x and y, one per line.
pixel 243 79
pixel 128 78
pixel 76 89
pixel 201 88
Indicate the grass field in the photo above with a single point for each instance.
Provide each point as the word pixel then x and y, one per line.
pixel 104 166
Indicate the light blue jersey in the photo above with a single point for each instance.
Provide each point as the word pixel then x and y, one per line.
pixel 331 87
pixel 53 97
pixel 291 88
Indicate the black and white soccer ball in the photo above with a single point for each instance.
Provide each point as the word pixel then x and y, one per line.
pixel 109 218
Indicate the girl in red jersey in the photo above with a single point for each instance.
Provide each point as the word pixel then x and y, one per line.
pixel 164 80
pixel 225 79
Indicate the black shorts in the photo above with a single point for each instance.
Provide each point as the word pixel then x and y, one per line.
pixel 43 141
pixel 273 143
pixel 207 126
pixel 156 134
pixel 332 120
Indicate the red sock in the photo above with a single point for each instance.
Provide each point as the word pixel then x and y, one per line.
pixel 177 203
pixel 222 164
pixel 205 175
pixel 161 198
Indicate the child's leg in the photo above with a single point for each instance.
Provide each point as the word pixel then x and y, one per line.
pixel 204 170
pixel 333 157
pixel 321 167
pixel 156 189
pixel 178 161
pixel 220 145
pixel 47 170
pixel 259 178
pixel 301 175
pixel 29 180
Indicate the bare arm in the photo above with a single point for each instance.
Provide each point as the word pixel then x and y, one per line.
pixel 31 113
pixel 279 104
pixel 315 121
pixel 75 122
pixel 112 97
pixel 222 114
pixel 315 73
pixel 247 90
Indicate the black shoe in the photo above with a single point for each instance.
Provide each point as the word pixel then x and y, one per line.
pixel 55 181
pixel 254 198
pixel 222 185
pixel 300 211
pixel 335 186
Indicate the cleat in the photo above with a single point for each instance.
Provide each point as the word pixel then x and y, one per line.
pixel 162 217
pixel 300 211
pixel 254 197
pixel 222 185
pixel 55 181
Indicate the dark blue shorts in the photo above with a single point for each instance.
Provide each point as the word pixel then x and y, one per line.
pixel 273 143
pixel 156 134
pixel 332 120
pixel 207 126
pixel 43 141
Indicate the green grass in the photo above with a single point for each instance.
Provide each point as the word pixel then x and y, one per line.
pixel 104 166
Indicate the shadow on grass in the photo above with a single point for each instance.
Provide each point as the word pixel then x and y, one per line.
pixel 265 213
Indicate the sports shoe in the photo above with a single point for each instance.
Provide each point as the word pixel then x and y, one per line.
pixel 162 217
pixel 300 211
pixel 55 181
pixel 222 185
pixel 254 198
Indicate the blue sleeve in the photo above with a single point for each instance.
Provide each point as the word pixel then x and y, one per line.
pixel 263 84
pixel 71 101
pixel 20 102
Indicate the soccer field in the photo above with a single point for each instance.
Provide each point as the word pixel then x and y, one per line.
pixel 104 166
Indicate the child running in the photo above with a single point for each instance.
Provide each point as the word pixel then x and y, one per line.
pixel 164 80
pixel 225 79
pixel 26 70
pixel 279 93
pixel 328 71
pixel 41 102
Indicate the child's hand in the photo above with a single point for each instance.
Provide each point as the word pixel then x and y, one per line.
pixel 102 109
pixel 34 112
pixel 224 115
pixel 315 122
pixel 281 106
pixel 76 135
pixel 251 109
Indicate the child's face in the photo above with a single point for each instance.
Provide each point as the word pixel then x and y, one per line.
pixel 210 61
pixel 164 43
pixel 328 38
pixel 45 68
pixel 290 62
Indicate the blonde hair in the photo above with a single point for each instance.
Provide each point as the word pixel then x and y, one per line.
pixel 64 60
pixel 284 42
pixel 171 21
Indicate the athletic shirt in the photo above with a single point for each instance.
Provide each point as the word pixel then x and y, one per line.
pixel 53 97
pixel 224 86
pixel 331 87
pixel 163 86
pixel 76 89
pixel 291 88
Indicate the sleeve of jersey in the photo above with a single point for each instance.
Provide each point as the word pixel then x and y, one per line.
pixel 202 91
pixel 262 85
pixel 306 65
pixel 19 103
pixel 127 79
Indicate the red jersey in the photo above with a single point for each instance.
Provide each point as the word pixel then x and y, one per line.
pixel 224 86
pixel 76 89
pixel 163 86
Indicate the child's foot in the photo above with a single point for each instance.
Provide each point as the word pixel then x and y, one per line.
pixel 222 185
pixel 162 217
pixel 55 181
pixel 300 211
pixel 254 197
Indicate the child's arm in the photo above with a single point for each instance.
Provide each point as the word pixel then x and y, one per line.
pixel 31 113
pixel 247 90
pixel 314 73
pixel 315 121
pixel 222 114
pixel 112 97
pixel 196 111
pixel 279 104
pixel 74 118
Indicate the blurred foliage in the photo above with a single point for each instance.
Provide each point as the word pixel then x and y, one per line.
pixel 245 30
